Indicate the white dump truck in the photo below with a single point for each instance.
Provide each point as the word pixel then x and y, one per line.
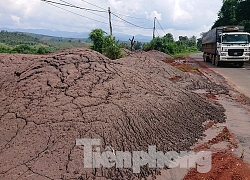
pixel 226 44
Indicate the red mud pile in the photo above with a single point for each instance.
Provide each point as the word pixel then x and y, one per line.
pixel 47 102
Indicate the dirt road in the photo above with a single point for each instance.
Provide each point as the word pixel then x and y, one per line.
pixel 237 105
pixel 239 78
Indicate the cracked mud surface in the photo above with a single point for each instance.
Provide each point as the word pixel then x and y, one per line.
pixel 47 102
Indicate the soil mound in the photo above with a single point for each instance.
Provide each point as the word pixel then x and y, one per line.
pixel 153 54
pixel 47 102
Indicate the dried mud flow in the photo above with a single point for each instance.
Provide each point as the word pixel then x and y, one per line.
pixel 49 101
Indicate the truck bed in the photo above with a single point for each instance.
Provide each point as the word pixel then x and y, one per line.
pixel 209 48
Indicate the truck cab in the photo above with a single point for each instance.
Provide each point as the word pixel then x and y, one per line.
pixel 226 44
pixel 234 47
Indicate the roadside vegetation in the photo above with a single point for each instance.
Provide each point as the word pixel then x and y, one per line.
pixel 17 42
pixel 166 44
pixel 108 46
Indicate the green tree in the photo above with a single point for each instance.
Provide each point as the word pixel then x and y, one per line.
pixel 246 24
pixel 234 12
pixel 184 40
pixel 97 37
pixel 170 48
pixel 137 45
pixel 111 48
pixel 42 50
pixel 243 14
pixel 105 45
pixel 17 38
pixel 167 44
pixel 192 41
pixel 124 45
pixel 157 44
pixel 24 49
pixel 4 48
pixel 199 43
pixel 227 14
pixel 168 37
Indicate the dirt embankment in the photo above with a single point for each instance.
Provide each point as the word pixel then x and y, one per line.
pixel 47 102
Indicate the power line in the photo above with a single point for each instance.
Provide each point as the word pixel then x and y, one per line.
pixel 157 33
pixel 74 12
pixel 71 5
pixel 93 5
pixel 130 22
pixel 160 26
pixel 118 19
pixel 131 16
pixel 89 12
pixel 115 12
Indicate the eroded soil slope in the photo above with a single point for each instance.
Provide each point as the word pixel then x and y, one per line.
pixel 47 102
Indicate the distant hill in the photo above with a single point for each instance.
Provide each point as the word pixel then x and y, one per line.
pixel 49 32
pixel 57 39
pixel 17 38
pixel 138 37
pixel 55 35
pixel 34 42
pixel 28 43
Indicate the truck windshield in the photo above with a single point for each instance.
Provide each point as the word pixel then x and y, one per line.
pixel 235 38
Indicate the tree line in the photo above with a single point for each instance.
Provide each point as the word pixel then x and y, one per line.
pixel 108 46
pixel 17 38
pixel 234 12
pixel 18 42
pixel 168 45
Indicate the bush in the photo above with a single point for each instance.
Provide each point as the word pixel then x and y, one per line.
pixel 43 50
pixel 167 45
pixel 4 49
pixel 97 37
pixel 111 48
pixel 24 49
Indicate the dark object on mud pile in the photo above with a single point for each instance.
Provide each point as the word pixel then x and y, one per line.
pixel 47 102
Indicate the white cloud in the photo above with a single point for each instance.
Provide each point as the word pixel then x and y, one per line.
pixel 155 14
pixel 178 17
pixel 15 18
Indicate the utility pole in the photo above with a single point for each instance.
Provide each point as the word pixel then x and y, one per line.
pixel 154 28
pixel 110 26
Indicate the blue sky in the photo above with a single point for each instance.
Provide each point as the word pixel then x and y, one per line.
pixel 178 17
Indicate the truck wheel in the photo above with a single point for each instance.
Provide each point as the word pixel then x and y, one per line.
pixel 217 62
pixel 241 63
pixel 213 60
pixel 207 59
pixel 204 57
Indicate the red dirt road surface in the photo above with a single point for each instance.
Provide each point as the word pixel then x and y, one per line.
pixel 225 167
pixel 47 102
